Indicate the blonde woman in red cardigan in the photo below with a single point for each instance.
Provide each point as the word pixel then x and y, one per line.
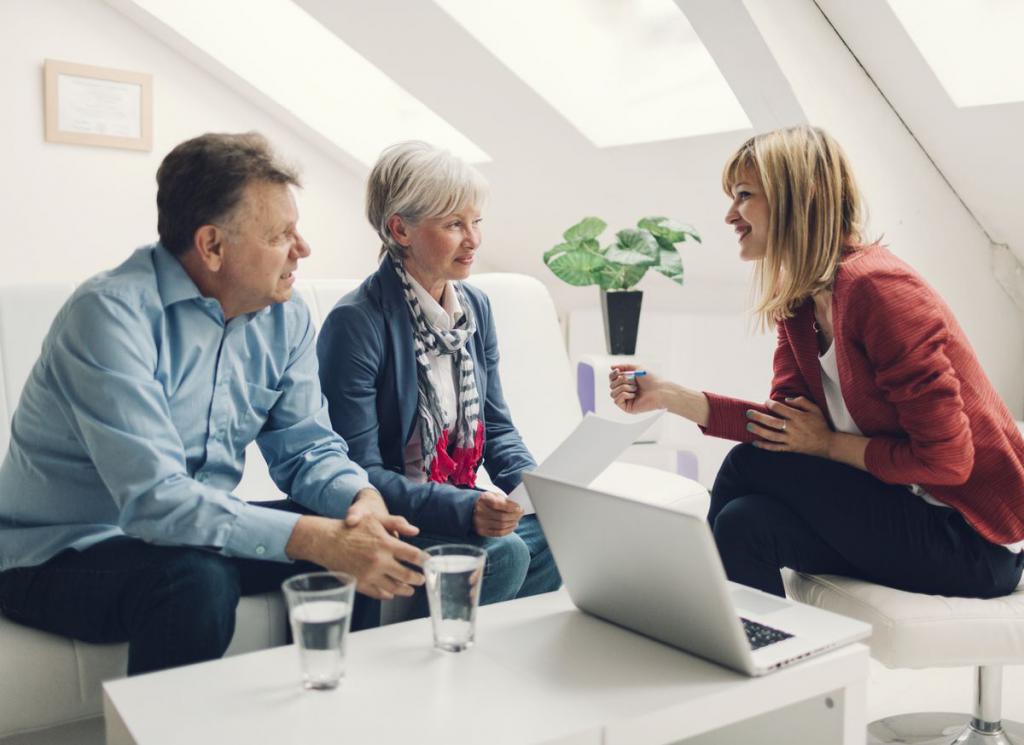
pixel 883 451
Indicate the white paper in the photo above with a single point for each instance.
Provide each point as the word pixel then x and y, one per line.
pixel 587 451
pixel 99 107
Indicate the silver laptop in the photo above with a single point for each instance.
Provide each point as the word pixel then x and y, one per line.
pixel 656 571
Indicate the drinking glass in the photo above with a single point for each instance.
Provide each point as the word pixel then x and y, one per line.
pixel 454 575
pixel 320 611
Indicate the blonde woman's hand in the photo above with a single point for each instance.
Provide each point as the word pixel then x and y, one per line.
pixel 794 426
pixel 636 395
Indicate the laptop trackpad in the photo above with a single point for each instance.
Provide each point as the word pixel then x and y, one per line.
pixel 756 602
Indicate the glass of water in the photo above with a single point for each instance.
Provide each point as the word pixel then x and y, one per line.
pixel 454 575
pixel 320 611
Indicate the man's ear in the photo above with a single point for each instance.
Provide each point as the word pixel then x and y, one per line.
pixel 208 241
pixel 399 230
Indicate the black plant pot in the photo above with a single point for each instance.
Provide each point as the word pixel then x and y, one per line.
pixel 621 311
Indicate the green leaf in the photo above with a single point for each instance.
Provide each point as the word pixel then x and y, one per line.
pixel 668 229
pixel 639 241
pixel 664 244
pixel 553 252
pixel 591 246
pixel 670 261
pixel 651 223
pixel 578 268
pixel 586 229
pixel 621 276
pixel 614 254
pixel 670 264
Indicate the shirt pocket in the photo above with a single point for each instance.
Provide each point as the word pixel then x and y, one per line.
pixel 255 410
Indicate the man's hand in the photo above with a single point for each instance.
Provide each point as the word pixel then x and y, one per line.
pixel 495 515
pixel 366 550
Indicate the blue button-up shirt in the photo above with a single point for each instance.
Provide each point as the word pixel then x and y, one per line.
pixel 135 419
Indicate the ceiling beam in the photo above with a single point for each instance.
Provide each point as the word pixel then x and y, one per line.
pixel 727 30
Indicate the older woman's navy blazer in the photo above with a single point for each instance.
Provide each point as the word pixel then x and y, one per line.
pixel 368 373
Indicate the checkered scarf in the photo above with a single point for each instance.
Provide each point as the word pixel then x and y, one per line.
pixel 441 463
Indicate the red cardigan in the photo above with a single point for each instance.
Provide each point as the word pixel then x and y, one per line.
pixel 914 387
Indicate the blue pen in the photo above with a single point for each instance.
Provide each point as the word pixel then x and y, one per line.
pixel 634 373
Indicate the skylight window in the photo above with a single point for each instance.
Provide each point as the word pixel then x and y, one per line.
pixel 621 72
pixel 973 46
pixel 278 48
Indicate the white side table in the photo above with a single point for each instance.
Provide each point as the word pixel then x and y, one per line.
pixel 542 672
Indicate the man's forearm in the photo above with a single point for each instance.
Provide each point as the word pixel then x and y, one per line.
pixel 308 537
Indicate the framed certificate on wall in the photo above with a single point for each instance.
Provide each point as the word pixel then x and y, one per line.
pixel 87 105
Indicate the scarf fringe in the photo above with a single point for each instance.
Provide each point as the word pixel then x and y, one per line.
pixel 460 467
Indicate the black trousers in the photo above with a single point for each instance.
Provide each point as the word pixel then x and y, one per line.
pixel 773 510
pixel 174 605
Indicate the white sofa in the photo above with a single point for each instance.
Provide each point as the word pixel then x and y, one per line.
pixel 50 686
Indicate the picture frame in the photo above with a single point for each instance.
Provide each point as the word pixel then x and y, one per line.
pixel 89 105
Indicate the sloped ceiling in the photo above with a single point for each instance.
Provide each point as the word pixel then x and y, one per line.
pixel 545 174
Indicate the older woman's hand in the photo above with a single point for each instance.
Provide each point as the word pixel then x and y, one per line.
pixel 495 515
pixel 798 426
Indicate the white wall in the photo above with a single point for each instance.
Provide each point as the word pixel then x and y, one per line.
pixel 70 211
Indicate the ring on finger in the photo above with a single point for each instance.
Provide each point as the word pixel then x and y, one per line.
pixel 783 427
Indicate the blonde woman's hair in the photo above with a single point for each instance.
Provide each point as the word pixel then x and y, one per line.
pixel 815 214
pixel 416 180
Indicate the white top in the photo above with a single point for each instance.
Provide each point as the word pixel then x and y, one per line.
pixel 444 317
pixel 844 422
pixel 833 394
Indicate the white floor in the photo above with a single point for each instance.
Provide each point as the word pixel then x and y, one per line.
pixel 951 689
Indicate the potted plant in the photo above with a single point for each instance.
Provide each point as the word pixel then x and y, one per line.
pixel 616 268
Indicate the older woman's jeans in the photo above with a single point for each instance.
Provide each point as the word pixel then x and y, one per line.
pixel 518 564
pixel 772 510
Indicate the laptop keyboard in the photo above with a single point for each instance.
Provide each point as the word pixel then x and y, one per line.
pixel 760 635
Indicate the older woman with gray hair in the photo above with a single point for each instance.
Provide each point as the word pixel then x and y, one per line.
pixel 409 365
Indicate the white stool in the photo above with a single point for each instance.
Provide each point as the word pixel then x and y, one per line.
pixel 922 631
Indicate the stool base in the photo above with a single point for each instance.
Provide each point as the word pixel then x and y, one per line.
pixel 940 729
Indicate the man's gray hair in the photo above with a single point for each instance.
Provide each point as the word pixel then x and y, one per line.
pixel 416 180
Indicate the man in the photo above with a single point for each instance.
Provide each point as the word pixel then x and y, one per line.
pixel 117 521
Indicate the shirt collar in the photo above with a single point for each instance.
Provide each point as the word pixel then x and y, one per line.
pixel 172 280
pixel 175 285
pixel 444 315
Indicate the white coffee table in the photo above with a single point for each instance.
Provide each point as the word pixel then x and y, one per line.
pixel 541 672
